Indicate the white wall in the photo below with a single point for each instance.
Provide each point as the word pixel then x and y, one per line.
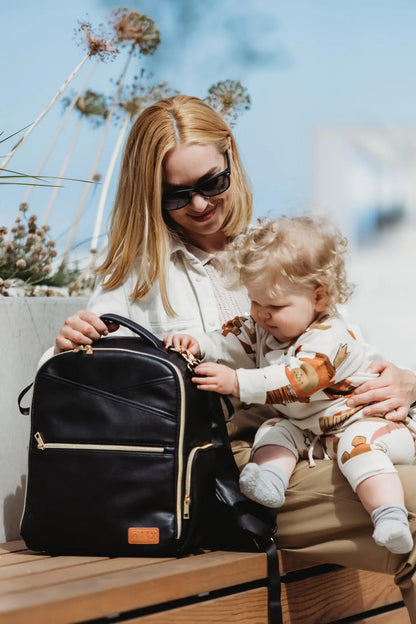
pixel 28 326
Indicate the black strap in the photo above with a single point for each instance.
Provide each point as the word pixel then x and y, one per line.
pixel 250 516
pixel 24 410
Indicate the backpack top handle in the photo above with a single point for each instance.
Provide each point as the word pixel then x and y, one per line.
pixel 143 333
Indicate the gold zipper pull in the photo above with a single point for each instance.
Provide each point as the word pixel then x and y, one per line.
pixel 40 441
pixel 186 506
pixel 87 348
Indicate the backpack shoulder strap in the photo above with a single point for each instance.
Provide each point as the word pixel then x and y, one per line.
pixel 253 518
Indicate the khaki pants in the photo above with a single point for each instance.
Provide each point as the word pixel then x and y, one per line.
pixel 323 520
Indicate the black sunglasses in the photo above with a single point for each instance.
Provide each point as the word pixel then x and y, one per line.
pixel 216 185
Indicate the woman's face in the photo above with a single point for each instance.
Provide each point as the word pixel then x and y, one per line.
pixel 203 218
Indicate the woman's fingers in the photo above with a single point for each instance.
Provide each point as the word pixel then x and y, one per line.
pixel 397 414
pixel 390 394
pixel 80 329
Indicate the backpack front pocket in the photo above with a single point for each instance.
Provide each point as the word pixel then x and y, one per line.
pixel 95 494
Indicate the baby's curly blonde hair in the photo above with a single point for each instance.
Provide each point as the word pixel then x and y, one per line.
pixel 305 251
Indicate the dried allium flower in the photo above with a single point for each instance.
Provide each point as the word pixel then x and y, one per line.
pixel 98 45
pixel 93 106
pixel 137 28
pixel 24 207
pixel 229 99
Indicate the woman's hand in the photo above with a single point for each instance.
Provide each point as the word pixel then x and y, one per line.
pixel 82 329
pixel 390 394
pixel 183 341
pixel 217 378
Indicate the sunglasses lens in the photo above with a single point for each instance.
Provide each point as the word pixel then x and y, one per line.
pixel 175 201
pixel 216 185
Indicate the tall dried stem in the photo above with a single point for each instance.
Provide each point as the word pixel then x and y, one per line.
pixel 95 163
pixel 58 132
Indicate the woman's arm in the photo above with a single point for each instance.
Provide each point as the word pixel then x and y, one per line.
pixel 390 394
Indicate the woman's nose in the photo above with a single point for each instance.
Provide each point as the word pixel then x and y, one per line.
pixel 199 202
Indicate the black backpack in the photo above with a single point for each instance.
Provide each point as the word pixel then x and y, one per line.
pixel 127 457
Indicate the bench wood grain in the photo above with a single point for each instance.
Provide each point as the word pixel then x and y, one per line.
pixel 215 587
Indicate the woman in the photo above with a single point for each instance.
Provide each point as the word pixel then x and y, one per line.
pixel 182 194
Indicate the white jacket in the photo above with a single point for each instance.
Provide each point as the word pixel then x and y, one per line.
pixel 190 292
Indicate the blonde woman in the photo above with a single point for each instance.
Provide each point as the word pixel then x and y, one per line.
pixel 161 271
pixel 297 353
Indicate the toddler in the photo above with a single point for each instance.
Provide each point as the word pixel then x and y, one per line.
pixel 296 353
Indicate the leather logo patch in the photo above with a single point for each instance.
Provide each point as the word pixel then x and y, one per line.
pixel 143 535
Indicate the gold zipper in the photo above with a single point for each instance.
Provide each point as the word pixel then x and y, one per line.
pixel 43 446
pixel 87 348
pixel 187 498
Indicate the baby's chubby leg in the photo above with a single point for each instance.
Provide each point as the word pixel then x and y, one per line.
pixel 366 453
pixel 266 478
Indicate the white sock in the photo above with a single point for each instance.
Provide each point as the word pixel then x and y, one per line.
pixel 265 484
pixel 391 528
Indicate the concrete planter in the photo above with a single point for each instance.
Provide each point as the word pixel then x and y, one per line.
pixel 28 326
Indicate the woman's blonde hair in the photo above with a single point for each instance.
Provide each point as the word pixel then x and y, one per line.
pixel 138 232
pixel 305 251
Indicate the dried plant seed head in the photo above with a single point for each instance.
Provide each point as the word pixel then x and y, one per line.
pixel 229 98
pixel 99 44
pixel 136 28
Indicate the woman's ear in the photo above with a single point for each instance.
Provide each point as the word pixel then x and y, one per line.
pixel 321 299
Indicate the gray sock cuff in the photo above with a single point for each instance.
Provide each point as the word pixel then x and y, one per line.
pixel 390 512
pixel 276 471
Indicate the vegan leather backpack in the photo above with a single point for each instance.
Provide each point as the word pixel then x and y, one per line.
pixel 127 457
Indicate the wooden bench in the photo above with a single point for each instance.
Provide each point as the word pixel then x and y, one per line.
pixel 215 587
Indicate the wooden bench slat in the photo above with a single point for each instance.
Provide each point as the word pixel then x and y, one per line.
pixel 398 616
pixel 243 608
pixel 354 591
pixel 69 572
pixel 16 558
pixel 42 564
pixel 131 589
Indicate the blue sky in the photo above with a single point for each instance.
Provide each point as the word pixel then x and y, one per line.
pixel 305 63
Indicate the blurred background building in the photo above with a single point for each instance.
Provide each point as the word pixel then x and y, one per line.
pixel 365 180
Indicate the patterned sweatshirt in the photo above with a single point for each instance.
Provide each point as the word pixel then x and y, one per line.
pixel 308 380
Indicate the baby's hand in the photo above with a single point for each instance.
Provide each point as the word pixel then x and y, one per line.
pixel 184 341
pixel 218 378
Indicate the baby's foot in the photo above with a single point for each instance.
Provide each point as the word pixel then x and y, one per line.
pixel 391 528
pixel 265 484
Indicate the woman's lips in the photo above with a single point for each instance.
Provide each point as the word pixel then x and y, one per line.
pixel 205 216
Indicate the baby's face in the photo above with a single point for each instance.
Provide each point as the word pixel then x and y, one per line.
pixel 284 316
